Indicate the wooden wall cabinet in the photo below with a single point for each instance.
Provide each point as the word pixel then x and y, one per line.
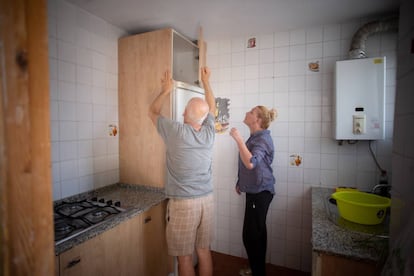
pixel 142 61
pixel 135 247
pixel 186 58
pixel 329 265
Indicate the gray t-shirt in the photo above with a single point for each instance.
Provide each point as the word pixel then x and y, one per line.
pixel 189 157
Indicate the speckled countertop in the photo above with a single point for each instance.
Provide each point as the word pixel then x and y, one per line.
pixel 135 199
pixel 335 236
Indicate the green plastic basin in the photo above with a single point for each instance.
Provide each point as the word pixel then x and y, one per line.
pixel 361 207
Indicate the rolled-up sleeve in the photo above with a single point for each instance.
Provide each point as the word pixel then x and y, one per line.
pixel 260 177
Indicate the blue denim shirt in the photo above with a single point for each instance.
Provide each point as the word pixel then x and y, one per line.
pixel 260 178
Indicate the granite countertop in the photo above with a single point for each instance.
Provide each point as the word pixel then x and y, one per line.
pixel 135 199
pixel 342 238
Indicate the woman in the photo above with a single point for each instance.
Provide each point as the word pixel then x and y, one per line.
pixel 255 178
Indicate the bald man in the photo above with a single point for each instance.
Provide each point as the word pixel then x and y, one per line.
pixel 189 188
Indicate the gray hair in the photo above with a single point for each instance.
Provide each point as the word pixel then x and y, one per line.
pixel 197 112
pixel 201 120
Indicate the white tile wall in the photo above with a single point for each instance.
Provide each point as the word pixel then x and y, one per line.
pixel 83 102
pixel 83 99
pixel 275 74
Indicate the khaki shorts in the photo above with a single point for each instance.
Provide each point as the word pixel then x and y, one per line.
pixel 189 224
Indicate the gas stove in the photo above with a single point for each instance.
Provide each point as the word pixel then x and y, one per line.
pixel 73 218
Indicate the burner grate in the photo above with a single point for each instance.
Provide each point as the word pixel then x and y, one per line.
pixel 73 218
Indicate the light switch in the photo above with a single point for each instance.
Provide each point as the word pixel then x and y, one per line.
pixel 358 124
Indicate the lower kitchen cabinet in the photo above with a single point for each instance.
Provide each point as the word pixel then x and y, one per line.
pixel 135 247
pixel 329 265
pixel 154 245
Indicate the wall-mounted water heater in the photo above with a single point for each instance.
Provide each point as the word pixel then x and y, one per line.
pixel 359 99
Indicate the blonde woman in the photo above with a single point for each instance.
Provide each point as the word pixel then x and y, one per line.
pixel 256 180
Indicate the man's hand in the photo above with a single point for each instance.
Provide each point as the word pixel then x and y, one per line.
pixel 166 82
pixel 166 88
pixel 209 96
pixel 205 74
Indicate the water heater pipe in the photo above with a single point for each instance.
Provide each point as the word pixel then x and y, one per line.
pixel 357 49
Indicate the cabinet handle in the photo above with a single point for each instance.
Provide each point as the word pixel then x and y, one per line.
pixel 73 262
pixel 147 219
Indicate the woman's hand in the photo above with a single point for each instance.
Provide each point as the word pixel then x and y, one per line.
pixel 234 132
pixel 245 154
pixel 238 190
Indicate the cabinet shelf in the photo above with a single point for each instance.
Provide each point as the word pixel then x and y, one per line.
pixel 185 60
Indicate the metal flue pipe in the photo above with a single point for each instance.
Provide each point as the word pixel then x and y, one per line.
pixel 357 49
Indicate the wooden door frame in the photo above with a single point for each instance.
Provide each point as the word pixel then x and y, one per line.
pixel 26 216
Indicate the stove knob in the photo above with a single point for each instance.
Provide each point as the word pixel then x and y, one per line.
pixel 109 202
pixel 102 200
pixel 118 204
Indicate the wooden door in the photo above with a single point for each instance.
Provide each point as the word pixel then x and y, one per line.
pixel 155 257
pixel 202 46
pixel 330 265
pixel 26 217
pixel 84 259
pixel 117 251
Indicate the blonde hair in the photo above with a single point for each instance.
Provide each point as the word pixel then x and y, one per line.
pixel 266 115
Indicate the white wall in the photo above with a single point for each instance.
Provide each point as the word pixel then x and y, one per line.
pixel 83 99
pixel 275 74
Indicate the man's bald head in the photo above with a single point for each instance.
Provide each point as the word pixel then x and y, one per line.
pixel 196 111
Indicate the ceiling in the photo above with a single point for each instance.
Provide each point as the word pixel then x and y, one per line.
pixel 231 18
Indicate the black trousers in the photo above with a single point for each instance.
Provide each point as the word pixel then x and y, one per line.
pixel 255 232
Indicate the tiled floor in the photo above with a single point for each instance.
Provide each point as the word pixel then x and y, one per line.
pixel 226 265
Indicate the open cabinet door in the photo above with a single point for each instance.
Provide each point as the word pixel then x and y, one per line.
pixel 26 216
pixel 202 50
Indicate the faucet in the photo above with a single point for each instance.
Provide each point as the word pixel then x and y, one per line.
pixel 383 186
pixel 384 189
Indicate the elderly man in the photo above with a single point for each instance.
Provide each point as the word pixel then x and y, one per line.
pixel 189 180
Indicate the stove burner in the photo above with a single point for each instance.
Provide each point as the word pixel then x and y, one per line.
pixel 70 209
pixel 99 215
pixel 73 218
pixel 63 227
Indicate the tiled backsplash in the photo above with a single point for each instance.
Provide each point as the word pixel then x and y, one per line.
pixel 276 73
pixel 83 99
